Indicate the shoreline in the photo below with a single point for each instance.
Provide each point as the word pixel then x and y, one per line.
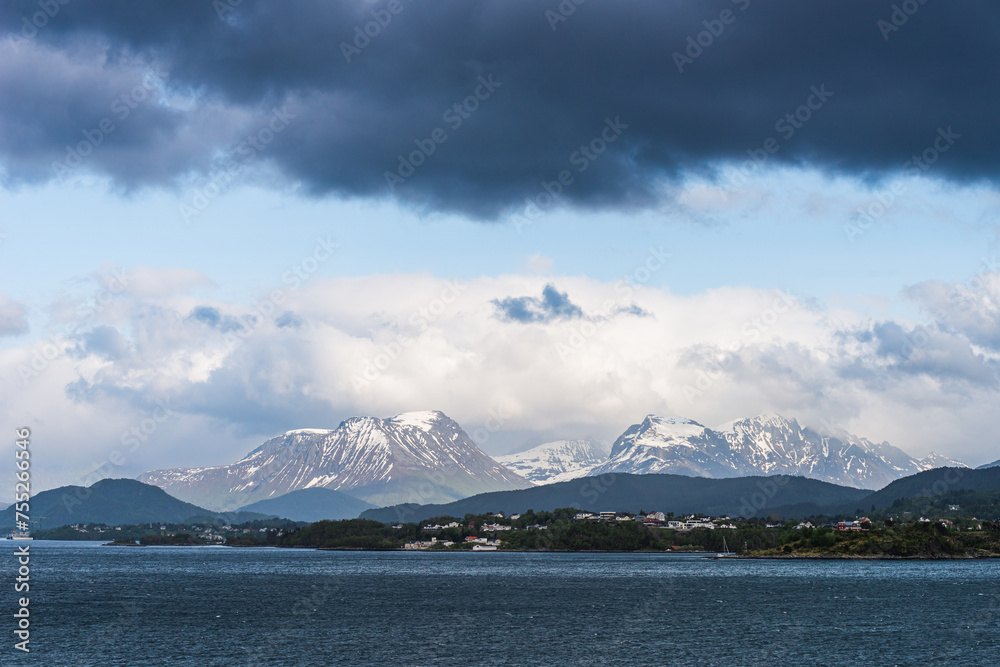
pixel 708 555
pixel 847 557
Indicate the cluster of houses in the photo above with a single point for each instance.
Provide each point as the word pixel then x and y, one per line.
pixel 478 544
pixel 216 534
pixel 852 526
pixel 101 528
pixel 949 525
pixel 651 519
pixel 660 520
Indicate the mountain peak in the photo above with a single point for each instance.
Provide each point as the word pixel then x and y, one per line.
pixel 379 460
pixel 772 419
pixel 671 427
pixel 557 461
pixel 767 444
pixel 936 460
pixel 670 419
pixel 308 431
pixel 423 420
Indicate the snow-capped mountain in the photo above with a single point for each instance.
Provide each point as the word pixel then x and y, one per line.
pixel 416 457
pixel 995 464
pixel 935 460
pixel 558 461
pixel 764 445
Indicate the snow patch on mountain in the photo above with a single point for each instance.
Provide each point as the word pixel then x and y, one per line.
pixel 417 457
pixel 558 461
pixel 935 460
pixel 422 420
pixel 767 444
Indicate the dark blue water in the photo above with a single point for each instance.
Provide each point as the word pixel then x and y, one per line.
pixel 95 605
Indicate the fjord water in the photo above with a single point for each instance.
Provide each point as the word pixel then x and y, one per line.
pixel 93 605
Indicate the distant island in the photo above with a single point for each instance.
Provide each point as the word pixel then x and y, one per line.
pixel 571 530
pixel 928 540
pixel 190 533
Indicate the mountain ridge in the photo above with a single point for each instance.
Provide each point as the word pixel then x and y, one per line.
pixel 115 502
pixel 556 461
pixel 746 496
pixel 423 456
pixel 784 495
pixel 315 504
pixel 767 444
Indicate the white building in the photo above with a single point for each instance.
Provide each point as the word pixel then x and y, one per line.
pixel 494 527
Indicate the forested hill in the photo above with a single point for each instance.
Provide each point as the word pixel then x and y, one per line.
pixel 933 483
pixel 742 496
pixel 114 502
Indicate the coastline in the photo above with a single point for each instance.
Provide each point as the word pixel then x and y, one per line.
pixel 850 557
pixel 707 555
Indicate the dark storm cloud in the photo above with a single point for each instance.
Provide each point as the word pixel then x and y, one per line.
pixel 553 305
pixel 531 90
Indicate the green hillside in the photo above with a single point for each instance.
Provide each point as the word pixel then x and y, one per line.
pixel 311 505
pixel 742 496
pixel 934 483
pixel 114 502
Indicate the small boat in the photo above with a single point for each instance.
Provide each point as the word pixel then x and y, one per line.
pixel 19 536
pixel 726 553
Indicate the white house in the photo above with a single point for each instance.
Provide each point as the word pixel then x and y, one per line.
pixel 494 527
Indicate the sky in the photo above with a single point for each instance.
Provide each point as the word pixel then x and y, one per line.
pixel 221 221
